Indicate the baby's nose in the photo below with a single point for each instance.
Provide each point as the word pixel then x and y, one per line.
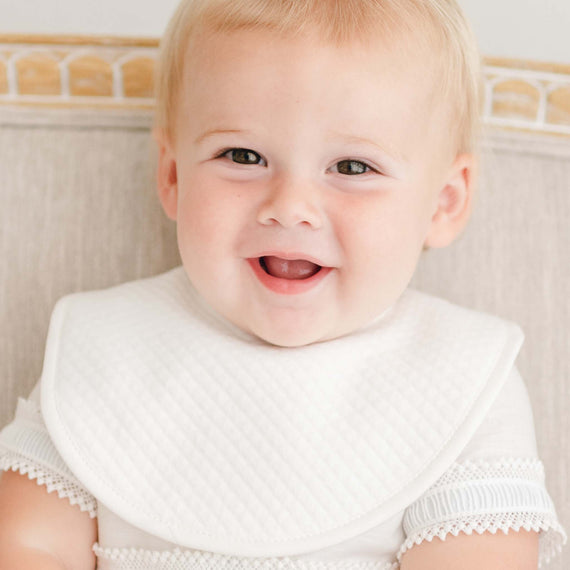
pixel 289 203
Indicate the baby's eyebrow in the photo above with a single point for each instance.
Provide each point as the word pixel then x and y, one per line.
pixel 354 139
pixel 213 132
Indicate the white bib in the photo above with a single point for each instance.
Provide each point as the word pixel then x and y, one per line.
pixel 207 437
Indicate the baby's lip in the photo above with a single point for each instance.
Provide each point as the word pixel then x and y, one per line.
pixel 293 256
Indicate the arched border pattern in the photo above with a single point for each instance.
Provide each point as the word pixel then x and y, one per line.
pixel 510 108
pixel 83 53
pixel 517 94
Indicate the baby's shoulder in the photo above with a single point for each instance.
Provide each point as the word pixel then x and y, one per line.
pixel 508 428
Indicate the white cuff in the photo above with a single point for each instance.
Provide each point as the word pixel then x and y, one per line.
pixel 66 488
pixel 506 494
pixel 25 446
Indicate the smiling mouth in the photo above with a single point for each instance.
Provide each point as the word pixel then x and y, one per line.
pixel 292 269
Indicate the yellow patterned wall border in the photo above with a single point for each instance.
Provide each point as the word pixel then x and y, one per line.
pixel 527 95
pixel 87 71
pixel 77 71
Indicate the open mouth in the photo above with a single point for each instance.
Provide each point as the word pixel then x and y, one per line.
pixel 293 269
pixel 288 276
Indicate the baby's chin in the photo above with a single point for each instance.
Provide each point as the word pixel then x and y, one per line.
pixel 296 340
pixel 287 333
pixel 285 336
pixel 313 333
pixel 292 341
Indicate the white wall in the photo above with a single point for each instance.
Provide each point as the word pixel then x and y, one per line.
pixel 146 18
pixel 528 29
pixel 525 29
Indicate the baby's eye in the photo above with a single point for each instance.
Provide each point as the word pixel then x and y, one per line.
pixel 352 167
pixel 243 156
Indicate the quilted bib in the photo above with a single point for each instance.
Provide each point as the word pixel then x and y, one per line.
pixel 207 437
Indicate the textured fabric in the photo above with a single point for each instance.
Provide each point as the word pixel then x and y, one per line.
pixel 506 434
pixel 122 546
pixel 263 451
pixel 133 559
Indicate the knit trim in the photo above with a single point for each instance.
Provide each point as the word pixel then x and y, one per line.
pixel 177 559
pixel 551 540
pixel 503 468
pixel 65 488
pixel 481 496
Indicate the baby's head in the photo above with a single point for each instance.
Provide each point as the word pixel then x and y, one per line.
pixel 309 152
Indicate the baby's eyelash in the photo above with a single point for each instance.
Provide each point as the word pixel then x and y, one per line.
pixel 242 156
pixel 355 167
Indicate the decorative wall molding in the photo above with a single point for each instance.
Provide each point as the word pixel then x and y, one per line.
pixel 94 72
pixel 527 95
pixel 77 71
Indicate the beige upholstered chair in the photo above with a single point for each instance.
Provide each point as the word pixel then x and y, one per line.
pixel 79 211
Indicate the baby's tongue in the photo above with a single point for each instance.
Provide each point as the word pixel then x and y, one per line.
pixel 289 268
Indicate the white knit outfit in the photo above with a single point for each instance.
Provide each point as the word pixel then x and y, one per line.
pixel 197 445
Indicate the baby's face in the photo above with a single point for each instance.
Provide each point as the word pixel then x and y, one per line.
pixel 303 179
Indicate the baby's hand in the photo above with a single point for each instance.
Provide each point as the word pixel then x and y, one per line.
pixel 40 530
pixel 516 550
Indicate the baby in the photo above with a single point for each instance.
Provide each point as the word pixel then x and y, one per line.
pixel 283 399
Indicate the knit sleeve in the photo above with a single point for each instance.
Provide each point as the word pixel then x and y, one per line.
pixel 497 483
pixel 26 447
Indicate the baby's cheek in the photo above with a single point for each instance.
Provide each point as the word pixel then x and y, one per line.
pixel 198 223
pixel 382 261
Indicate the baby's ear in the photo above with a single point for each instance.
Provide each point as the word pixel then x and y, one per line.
pixel 167 179
pixel 454 202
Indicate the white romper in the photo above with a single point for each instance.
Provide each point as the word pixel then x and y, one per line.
pixel 482 475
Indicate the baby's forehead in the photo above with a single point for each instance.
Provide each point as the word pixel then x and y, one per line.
pixel 224 55
pixel 401 56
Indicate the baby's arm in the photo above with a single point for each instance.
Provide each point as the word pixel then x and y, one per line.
pixel 40 530
pixel 517 550
pixel 52 530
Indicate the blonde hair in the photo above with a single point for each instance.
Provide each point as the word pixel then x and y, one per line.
pixel 440 23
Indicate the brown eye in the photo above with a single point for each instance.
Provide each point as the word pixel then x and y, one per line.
pixel 352 167
pixel 243 156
